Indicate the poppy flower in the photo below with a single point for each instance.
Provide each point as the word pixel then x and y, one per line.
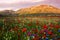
pixel 29 24
pixel 51 25
pixel 41 31
pixel 37 22
pixel 53 35
pixel 15 28
pixel 35 30
pixel 24 29
pixel 19 21
pixel 57 26
pixel 49 32
pixel 45 26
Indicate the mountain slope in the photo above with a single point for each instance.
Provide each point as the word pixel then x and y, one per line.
pixel 39 9
pixel 8 13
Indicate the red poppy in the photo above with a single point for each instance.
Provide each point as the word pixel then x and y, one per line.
pixel 57 26
pixel 24 29
pixel 37 22
pixel 29 24
pixel 53 35
pixel 15 28
pixel 45 26
pixel 41 31
pixel 35 30
pixel 19 21
pixel 51 25
pixel 49 32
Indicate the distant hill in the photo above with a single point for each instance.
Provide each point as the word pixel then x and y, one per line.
pixel 7 13
pixel 39 9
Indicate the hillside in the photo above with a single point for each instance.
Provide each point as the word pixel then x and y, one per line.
pixel 39 9
pixel 8 13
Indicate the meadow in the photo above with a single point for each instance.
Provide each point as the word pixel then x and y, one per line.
pixel 30 28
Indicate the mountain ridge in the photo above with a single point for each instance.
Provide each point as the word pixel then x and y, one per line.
pixel 39 9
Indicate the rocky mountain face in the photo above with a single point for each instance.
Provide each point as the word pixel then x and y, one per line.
pixel 39 9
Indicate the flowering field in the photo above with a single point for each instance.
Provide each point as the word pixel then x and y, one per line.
pixel 29 29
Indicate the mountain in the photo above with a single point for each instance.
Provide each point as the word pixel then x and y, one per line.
pixel 39 9
pixel 7 13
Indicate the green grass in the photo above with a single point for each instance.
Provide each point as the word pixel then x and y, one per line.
pixel 29 28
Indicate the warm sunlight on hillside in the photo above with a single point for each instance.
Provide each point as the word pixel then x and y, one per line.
pixel 39 9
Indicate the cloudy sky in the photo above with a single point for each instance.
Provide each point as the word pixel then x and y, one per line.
pixel 17 4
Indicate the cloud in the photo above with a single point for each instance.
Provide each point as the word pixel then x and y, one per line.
pixel 9 1
pixel 14 5
pixel 17 4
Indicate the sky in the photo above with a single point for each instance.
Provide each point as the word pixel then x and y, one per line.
pixel 18 4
